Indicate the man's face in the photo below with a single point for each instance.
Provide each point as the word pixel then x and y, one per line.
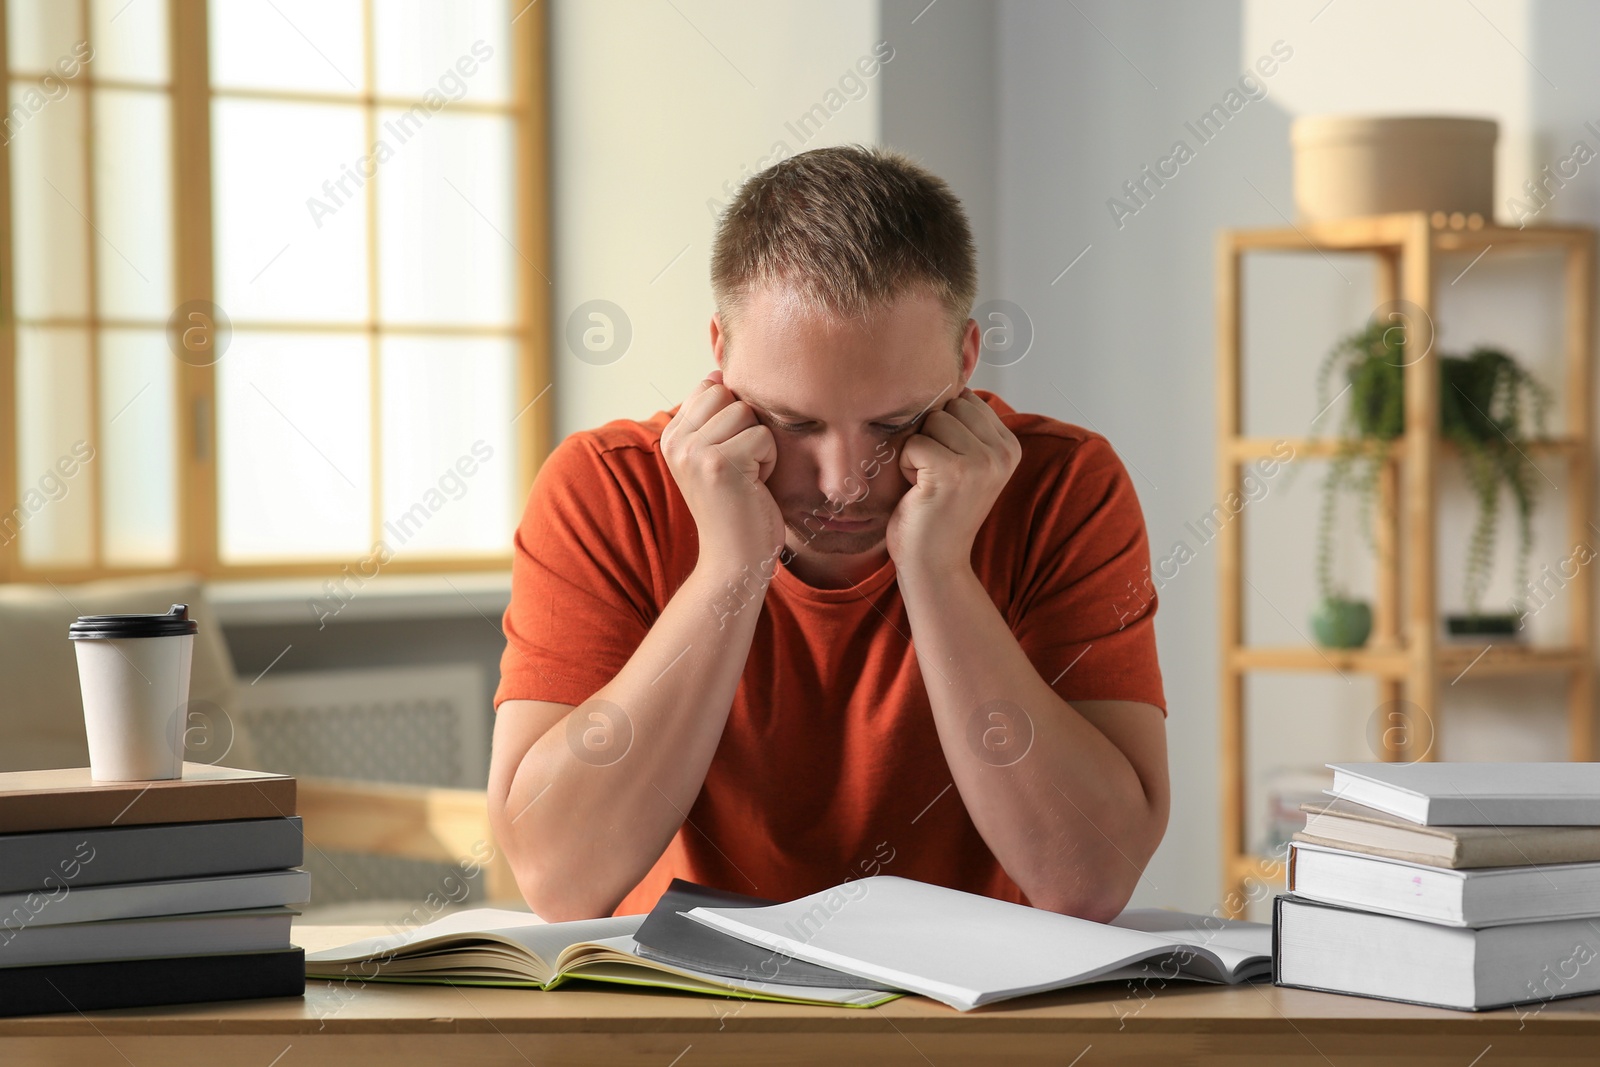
pixel 840 396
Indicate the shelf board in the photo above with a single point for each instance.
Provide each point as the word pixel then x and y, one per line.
pixel 1266 869
pixel 1388 233
pixel 1388 663
pixel 1241 449
pixel 1482 659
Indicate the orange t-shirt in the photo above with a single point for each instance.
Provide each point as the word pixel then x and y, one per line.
pixel 829 767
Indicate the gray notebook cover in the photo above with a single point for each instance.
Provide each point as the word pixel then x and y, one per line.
pixel 52 859
pixel 667 936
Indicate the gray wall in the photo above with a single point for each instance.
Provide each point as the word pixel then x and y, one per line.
pixel 1123 340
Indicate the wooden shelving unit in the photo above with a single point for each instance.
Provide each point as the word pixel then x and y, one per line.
pixel 1405 654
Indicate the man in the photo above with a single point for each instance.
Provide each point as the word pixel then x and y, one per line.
pixel 835 614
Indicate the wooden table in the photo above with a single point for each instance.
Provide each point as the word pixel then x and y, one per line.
pixel 393 1025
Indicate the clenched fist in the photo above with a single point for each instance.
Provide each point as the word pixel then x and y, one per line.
pixel 721 455
pixel 957 464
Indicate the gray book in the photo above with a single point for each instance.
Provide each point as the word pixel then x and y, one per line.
pixel 138 900
pixel 49 860
pixel 256 930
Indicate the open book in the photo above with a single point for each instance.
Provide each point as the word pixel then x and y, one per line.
pixel 967 950
pixel 492 946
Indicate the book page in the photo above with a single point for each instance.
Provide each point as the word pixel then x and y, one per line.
pixel 1234 942
pixel 960 948
pixel 636 970
pixel 541 940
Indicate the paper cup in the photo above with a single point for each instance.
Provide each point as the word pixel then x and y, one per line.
pixel 134 674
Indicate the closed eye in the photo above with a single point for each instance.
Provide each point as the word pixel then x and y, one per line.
pixel 804 427
pixel 793 427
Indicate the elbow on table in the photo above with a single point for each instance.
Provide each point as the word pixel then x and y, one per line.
pixel 1100 907
pixel 544 877
pixel 554 895
pixel 1103 896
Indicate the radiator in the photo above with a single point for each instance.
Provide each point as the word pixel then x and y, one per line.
pixel 418 725
pixel 421 725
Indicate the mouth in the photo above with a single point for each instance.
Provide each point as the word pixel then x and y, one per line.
pixel 842 524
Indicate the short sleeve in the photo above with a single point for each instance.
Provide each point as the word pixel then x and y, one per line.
pixel 1087 604
pixel 581 599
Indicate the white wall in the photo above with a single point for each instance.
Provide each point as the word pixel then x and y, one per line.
pixel 656 109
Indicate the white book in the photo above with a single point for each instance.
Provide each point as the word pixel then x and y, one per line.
pixel 154 937
pixel 1482 896
pixel 133 900
pixel 1475 794
pixel 967 950
pixel 1346 950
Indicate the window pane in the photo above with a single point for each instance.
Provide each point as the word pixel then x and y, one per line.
pixel 39 32
pixel 455 49
pixel 133 203
pixel 56 459
pixel 138 444
pixel 274 260
pixel 49 202
pixel 446 219
pixel 130 39
pixel 449 463
pixel 304 45
pixel 293 416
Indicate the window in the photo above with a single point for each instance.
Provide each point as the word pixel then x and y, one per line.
pixel 274 296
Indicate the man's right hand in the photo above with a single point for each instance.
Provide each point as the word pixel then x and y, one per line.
pixel 721 455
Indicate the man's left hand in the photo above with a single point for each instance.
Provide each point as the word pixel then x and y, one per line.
pixel 957 463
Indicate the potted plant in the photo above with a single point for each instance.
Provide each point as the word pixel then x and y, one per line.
pixel 1487 405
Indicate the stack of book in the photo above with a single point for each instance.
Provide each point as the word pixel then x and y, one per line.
pixel 1455 885
pixel 131 894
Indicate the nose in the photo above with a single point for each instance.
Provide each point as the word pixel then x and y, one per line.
pixel 841 467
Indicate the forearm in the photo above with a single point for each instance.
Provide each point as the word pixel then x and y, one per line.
pixel 1060 806
pixel 595 801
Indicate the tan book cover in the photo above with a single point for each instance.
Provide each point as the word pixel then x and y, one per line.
pixel 68 799
pixel 1345 824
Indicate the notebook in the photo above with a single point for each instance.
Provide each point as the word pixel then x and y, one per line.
pixel 252 930
pixel 51 859
pixel 1475 794
pixel 1359 828
pixel 668 936
pixel 496 947
pixel 68 798
pixel 968 950
pixel 183 896
pixel 143 983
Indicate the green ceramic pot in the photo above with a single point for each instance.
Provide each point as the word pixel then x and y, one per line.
pixel 1342 623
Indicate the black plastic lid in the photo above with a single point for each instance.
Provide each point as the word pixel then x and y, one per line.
pixel 174 623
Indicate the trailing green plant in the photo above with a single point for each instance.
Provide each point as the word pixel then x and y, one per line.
pixel 1489 405
pixel 1373 362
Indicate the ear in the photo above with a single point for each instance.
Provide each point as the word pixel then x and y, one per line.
pixel 971 344
pixel 719 338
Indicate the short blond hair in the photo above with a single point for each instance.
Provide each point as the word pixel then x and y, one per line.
pixel 848 229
